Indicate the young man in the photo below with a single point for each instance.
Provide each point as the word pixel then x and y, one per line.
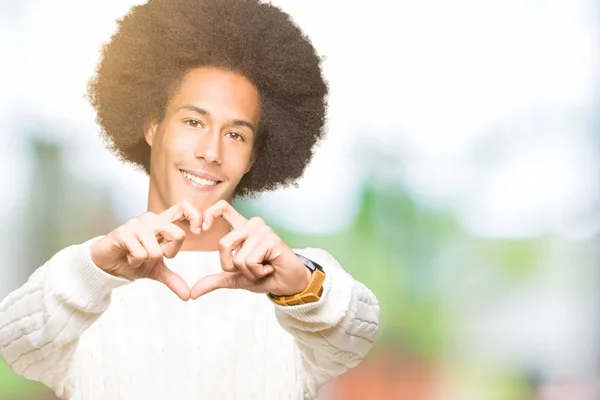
pixel 214 99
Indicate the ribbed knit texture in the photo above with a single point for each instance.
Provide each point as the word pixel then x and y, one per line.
pixel 88 335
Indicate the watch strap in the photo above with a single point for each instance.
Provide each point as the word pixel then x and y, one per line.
pixel 311 294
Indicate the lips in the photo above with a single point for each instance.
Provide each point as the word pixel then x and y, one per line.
pixel 200 179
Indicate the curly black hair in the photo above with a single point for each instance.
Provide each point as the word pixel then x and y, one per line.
pixel 155 45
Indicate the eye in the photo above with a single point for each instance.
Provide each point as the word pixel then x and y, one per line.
pixel 194 123
pixel 235 136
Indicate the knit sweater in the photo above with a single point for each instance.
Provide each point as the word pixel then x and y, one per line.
pixel 89 335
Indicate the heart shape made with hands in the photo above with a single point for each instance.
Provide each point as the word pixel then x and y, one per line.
pixel 253 257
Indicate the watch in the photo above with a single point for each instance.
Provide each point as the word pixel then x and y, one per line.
pixel 313 291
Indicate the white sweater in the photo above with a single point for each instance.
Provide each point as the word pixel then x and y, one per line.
pixel 89 335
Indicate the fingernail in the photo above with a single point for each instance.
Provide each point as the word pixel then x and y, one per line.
pixel 204 226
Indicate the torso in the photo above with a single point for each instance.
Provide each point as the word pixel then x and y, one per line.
pixel 151 345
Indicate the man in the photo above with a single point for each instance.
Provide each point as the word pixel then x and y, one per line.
pixel 214 99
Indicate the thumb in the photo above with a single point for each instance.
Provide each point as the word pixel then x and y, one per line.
pixel 221 280
pixel 173 281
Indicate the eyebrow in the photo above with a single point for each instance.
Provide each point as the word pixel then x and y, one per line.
pixel 202 111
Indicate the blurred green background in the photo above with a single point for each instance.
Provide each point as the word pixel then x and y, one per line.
pixel 459 181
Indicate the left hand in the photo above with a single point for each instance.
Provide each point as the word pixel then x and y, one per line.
pixel 263 263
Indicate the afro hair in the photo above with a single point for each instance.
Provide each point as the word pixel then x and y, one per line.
pixel 156 43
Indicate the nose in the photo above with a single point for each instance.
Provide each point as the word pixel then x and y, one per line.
pixel 209 148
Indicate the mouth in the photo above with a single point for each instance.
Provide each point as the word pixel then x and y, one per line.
pixel 202 182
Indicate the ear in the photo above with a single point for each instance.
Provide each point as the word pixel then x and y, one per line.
pixel 251 162
pixel 150 133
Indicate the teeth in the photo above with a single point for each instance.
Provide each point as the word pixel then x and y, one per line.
pixel 199 180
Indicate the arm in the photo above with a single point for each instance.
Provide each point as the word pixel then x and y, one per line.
pixel 332 334
pixel 41 321
pixel 336 332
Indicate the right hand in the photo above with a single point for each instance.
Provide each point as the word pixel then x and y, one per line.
pixel 137 248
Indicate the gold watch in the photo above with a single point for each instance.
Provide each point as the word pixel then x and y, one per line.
pixel 313 291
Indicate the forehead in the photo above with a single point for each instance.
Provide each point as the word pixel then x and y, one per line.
pixel 219 91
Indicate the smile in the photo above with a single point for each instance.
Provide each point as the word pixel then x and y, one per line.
pixel 199 182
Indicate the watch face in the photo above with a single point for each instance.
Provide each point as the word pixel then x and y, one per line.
pixel 309 263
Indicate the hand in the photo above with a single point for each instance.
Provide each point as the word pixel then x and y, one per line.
pixel 137 248
pixel 262 263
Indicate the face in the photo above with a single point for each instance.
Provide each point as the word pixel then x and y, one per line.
pixel 203 146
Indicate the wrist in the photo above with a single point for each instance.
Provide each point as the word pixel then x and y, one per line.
pixel 308 274
pixel 300 285
pixel 96 258
pixel 312 290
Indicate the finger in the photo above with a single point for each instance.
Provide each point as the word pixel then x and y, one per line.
pixel 137 254
pixel 145 232
pixel 256 246
pixel 227 245
pixel 213 282
pixel 173 281
pixel 234 240
pixel 147 218
pixel 169 236
pixel 183 211
pixel 240 265
pixel 173 237
pixel 222 209
pixel 256 259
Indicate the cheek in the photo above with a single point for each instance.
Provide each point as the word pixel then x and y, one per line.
pixel 243 157
pixel 174 146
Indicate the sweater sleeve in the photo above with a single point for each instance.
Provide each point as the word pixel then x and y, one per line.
pixel 41 321
pixel 335 333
